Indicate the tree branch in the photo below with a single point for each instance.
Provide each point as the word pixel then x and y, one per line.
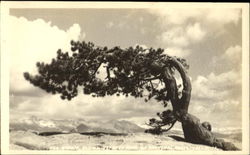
pixel 152 85
pixel 108 73
pixel 186 92
pixel 166 130
pixel 97 68
pixel 156 125
pixel 153 78
pixel 171 86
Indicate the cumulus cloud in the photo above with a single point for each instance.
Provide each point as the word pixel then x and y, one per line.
pixel 141 45
pixel 219 94
pixel 233 54
pixel 32 41
pixel 73 32
pixel 183 27
pixel 216 94
pixel 223 16
pixel 174 15
pixel 195 32
pixel 231 58
pixel 182 36
pixel 174 36
pixel 179 16
pixel 221 114
pixel 216 87
pixel 176 51
pixel 85 106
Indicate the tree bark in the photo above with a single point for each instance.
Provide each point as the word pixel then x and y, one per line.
pixel 194 131
pixel 187 87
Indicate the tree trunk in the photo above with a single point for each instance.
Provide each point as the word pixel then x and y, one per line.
pixel 194 131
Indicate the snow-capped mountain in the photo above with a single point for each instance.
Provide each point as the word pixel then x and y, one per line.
pixel 45 125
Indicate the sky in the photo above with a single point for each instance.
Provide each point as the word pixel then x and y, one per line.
pixel 208 38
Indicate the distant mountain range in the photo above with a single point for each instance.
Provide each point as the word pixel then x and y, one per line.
pixel 39 125
pixel 47 127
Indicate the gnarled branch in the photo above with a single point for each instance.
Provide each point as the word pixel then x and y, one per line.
pixel 166 130
pixel 171 86
pixel 186 92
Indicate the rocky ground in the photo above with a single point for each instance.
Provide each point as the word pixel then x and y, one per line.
pixel 24 140
pixel 34 133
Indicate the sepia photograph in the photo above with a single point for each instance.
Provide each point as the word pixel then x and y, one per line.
pixel 124 78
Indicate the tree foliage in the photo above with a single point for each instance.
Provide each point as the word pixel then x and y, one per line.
pixel 129 71
pixel 167 118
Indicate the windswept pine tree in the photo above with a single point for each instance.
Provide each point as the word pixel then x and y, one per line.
pixel 130 72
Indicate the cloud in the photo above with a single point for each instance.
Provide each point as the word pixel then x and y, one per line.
pixel 32 41
pixel 231 58
pixel 49 106
pixel 226 80
pixel 217 95
pixel 174 15
pixel 35 92
pixel 179 16
pixel 85 106
pixel 233 54
pixel 195 32
pixel 221 114
pixel 217 87
pixel 174 36
pixel 183 36
pixel 176 51
pixel 186 27
pixel 122 107
pixel 141 45
pixel 180 38
pixel 73 32
pixel 223 16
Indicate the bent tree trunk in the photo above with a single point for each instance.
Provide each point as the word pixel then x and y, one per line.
pixel 194 130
